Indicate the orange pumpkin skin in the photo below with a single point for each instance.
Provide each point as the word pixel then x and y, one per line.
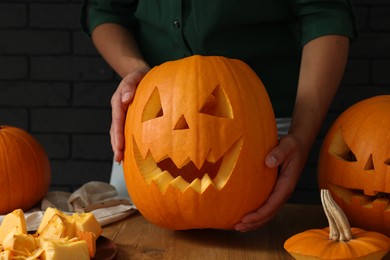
pixel 354 163
pixel 315 244
pixel 24 170
pixel 200 112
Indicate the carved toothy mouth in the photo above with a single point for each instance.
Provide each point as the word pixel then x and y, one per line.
pixel 359 197
pixel 165 172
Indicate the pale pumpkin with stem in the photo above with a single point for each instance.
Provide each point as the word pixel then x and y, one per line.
pixel 339 240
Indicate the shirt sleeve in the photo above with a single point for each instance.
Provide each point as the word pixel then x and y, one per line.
pixel 107 11
pixel 320 17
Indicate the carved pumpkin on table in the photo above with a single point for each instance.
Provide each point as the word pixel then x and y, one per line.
pixel 196 136
pixel 354 163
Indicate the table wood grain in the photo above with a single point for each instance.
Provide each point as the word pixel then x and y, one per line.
pixel 136 238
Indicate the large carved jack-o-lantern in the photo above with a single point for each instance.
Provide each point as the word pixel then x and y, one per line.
pixel 354 163
pixel 197 133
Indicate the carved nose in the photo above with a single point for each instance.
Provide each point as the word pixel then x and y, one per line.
pixel 181 124
pixel 369 164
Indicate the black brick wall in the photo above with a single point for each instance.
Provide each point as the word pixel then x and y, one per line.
pixel 54 84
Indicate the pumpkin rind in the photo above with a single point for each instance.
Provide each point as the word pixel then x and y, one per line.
pixel 354 163
pixel 215 114
pixel 24 170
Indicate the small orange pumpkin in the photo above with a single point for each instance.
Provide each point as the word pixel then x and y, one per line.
pixel 354 163
pixel 338 241
pixel 197 134
pixel 24 170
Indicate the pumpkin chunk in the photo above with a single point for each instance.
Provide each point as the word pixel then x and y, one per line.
pixel 59 236
pixel 13 221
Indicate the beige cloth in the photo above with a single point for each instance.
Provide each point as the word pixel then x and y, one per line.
pixel 99 198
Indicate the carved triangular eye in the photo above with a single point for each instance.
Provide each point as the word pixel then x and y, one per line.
pixel 217 104
pixel 153 108
pixel 340 148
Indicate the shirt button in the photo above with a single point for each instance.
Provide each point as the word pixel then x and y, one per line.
pixel 176 24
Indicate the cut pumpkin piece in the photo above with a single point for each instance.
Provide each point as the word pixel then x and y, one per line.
pixel 47 216
pixel 90 238
pixel 64 250
pixel 56 228
pixel 11 221
pixel 20 243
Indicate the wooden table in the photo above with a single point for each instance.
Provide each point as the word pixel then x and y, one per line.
pixel 136 238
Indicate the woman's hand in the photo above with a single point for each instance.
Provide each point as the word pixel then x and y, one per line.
pixel 120 102
pixel 322 68
pixel 290 156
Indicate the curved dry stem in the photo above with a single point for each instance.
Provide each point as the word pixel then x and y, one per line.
pixel 339 228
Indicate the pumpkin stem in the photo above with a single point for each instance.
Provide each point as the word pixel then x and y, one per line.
pixel 339 228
